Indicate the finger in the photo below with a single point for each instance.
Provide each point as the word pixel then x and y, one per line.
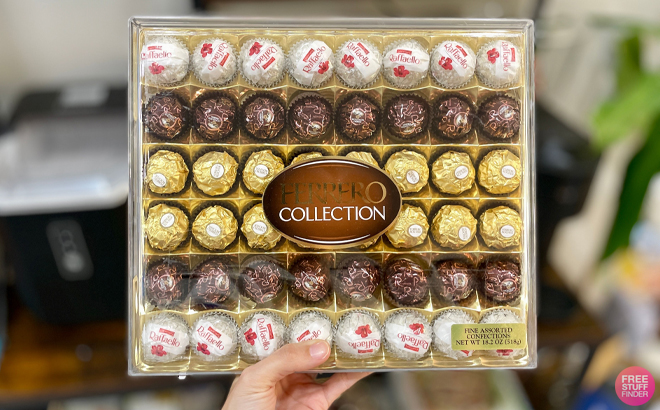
pixel 339 383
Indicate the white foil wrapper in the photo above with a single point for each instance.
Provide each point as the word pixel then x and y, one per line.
pixel 442 332
pixel 498 64
pixel 357 63
pixel 165 338
pixel 164 60
pixel 407 335
pixel 310 325
pixel 260 335
pixel 262 62
pixel 311 62
pixel 358 334
pixel 502 316
pixel 214 336
pixel 214 61
pixel 405 63
pixel 453 64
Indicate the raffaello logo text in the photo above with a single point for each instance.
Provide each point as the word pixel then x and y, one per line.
pixel 155 52
pixel 265 332
pixel 265 59
pixel 211 335
pixel 220 56
pixel 309 335
pixel 365 346
pixel 312 58
pixel 164 336
pixel 404 56
pixel 458 54
pixel 359 51
pixel 412 343
pixel 508 55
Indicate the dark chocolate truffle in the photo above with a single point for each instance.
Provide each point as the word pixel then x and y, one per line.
pixel 452 117
pixel 357 118
pixel 502 281
pixel 500 117
pixel 452 281
pixel 212 282
pixel 406 283
pixel 264 117
pixel 357 278
pixel 215 118
pixel 166 115
pixel 164 283
pixel 311 280
pixel 310 117
pixel 407 116
pixel 261 280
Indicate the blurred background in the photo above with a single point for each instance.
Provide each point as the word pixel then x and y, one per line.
pixel 63 71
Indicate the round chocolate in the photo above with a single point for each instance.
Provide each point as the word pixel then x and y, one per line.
pixel 357 278
pixel 501 316
pixel 407 116
pixel 305 156
pixel 500 172
pixel 500 227
pixel 500 117
pixel 442 332
pixel 311 280
pixel 452 281
pixel 166 227
pixel 262 62
pixel 214 61
pixel 409 170
pixel 260 168
pixel 358 334
pixel 167 172
pixel 212 283
pixel 214 336
pixel 406 283
pixel 410 229
pixel 264 118
pixel 453 226
pixel 453 173
pixel 310 117
pixel 453 63
pixel 407 334
pixel 215 172
pixel 215 117
pixel 452 117
pixel 261 280
pixel 164 284
pixel 405 63
pixel 311 62
pixel 358 63
pixel 165 60
pixel 502 281
pixel 310 325
pixel 258 232
pixel 499 64
pixel 165 338
pixel 357 118
pixel 215 228
pixel 166 115
pixel 260 335
pixel 363 156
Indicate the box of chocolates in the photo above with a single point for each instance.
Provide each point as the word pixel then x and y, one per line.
pixel 368 182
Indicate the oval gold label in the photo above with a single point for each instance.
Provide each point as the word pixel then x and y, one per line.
pixel 331 202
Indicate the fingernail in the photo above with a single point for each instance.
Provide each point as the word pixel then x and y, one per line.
pixel 318 350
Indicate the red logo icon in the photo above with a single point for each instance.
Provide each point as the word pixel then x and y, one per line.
pixel 158 350
pixel 400 71
pixel 250 336
pixel 417 328
pixel 363 331
pixel 203 347
pixel 156 68
pixel 206 49
pixel 445 62
pixel 348 61
pixel 323 67
pixel 256 47
pixel 493 55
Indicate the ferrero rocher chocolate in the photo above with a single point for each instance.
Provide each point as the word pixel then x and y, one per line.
pixel 260 168
pixel 499 172
pixel 363 156
pixel 166 227
pixel 305 156
pixel 453 226
pixel 215 172
pixel 215 228
pixel 410 228
pixel 409 170
pixel 500 117
pixel 453 172
pixel 259 233
pixel 500 227
pixel 264 117
pixel 166 172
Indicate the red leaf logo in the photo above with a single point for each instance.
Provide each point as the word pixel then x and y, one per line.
pixel 417 328
pixel 256 47
pixel 156 68
pixel 348 61
pixel 206 49
pixel 158 350
pixel 250 336
pixel 504 352
pixel 445 62
pixel 202 347
pixel 493 55
pixel 400 71
pixel 363 331
pixel 323 67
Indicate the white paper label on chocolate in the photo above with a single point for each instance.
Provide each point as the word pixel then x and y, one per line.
pixel 261 171
pixel 217 171
pixel 362 341
pixel 415 231
pixel 157 57
pixel 210 341
pixel 159 180
pixel 413 338
pixel 507 62
pixel 262 58
pixel 507 231
pixel 315 61
pixel 403 61
pixel 357 55
pixel 259 228
pixel 312 332
pixel 261 335
pixel 453 56
pixel 508 171
pixel 213 230
pixel 464 233
pixel 164 340
pixel 461 172
pixel 412 176
pixel 167 220
pixel 216 54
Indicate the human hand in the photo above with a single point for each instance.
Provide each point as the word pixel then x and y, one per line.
pixel 273 383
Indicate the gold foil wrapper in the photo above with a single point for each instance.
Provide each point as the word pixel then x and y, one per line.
pixel 166 172
pixel 500 227
pixel 453 172
pixel 215 172
pixel 410 228
pixel 259 233
pixel 166 227
pixel 260 168
pixel 454 226
pixel 367 244
pixel 408 170
pixel 363 156
pixel 306 156
pixel 215 228
pixel 499 172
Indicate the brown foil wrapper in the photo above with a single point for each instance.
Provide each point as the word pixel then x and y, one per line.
pixel 260 168
pixel 409 170
pixel 499 172
pixel 363 156
pixel 500 227
pixel 167 172
pixel 259 233
pixel 454 226
pixel 166 227
pixel 215 228
pixel 306 156
pixel 215 172
pixel 453 172
pixel 410 229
